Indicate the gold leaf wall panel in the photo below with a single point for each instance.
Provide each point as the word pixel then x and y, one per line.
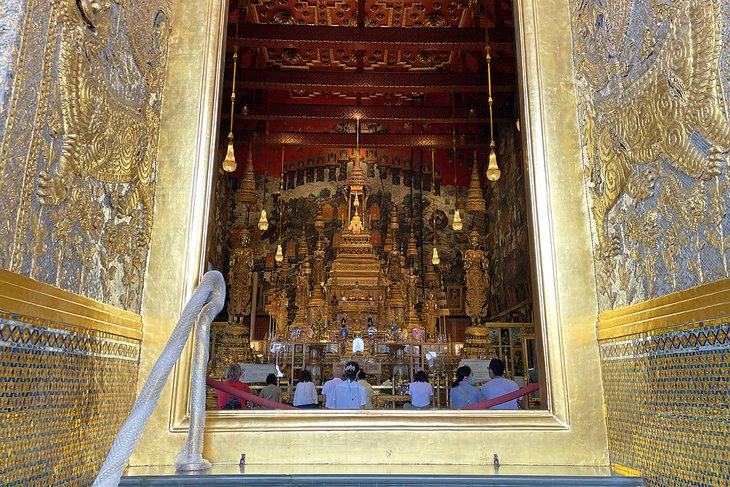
pixel 652 84
pixel 81 91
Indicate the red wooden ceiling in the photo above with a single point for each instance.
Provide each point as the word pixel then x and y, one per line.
pixel 413 71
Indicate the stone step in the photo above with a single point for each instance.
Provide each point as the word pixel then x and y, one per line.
pixel 503 477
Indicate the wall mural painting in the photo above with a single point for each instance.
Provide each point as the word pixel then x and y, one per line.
pixel 507 237
pixel 79 147
pixel 652 83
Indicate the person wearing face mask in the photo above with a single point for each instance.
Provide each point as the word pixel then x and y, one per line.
pixel 463 393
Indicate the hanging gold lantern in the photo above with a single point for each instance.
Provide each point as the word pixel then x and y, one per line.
pixel 263 222
pixel 435 260
pixel 493 172
pixel 457 225
pixel 279 257
pixel 229 163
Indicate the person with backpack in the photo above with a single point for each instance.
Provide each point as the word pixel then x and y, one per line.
pixel 234 373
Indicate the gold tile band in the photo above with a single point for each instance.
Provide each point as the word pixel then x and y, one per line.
pixel 701 303
pixel 28 297
pixel 624 470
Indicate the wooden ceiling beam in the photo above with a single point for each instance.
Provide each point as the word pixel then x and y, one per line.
pixel 369 38
pixel 330 139
pixel 427 114
pixel 371 81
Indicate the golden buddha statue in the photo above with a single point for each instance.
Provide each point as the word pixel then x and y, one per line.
pixel 356 225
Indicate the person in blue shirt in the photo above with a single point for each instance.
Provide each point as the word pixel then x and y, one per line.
pixel 463 393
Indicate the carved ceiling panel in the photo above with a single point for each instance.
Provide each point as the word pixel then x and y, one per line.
pixel 351 53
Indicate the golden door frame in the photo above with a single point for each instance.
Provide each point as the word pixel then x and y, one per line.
pixel 572 429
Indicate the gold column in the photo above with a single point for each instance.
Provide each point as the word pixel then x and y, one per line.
pixel 188 140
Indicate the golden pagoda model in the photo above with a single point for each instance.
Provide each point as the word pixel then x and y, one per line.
pixel 246 192
pixel 474 196
pixel 353 288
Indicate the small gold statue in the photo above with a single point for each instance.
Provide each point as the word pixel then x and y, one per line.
pixel 356 225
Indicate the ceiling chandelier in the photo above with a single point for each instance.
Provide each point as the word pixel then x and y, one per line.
pixel 279 256
pixel 457 225
pixel 229 163
pixel 435 260
pixel 493 172
pixel 263 220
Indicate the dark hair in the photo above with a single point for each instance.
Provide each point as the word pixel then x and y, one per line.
pixel 271 379
pixel 362 375
pixel 461 373
pixel 497 367
pixel 351 369
pixel 421 376
pixel 305 376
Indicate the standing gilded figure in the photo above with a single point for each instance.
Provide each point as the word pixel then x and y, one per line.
pixel 476 268
pixel 239 279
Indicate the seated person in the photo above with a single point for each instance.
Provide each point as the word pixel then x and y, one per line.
pixel 305 394
pixel 361 379
pixel 420 391
pixel 233 375
pixel 271 390
pixel 499 386
pixel 463 393
pixel 328 390
pixel 348 393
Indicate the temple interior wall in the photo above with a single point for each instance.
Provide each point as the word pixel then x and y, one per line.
pixel 655 187
pixel 652 85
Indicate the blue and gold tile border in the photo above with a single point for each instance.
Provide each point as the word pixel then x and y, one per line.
pixel 45 303
pixel 666 378
pixel 68 377
pixel 63 396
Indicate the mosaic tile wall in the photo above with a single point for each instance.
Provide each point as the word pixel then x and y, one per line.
pixel 64 392
pixel 667 399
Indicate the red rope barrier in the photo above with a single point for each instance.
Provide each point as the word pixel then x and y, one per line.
pixel 246 396
pixel 502 399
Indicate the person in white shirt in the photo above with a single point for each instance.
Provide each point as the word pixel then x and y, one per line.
pixel 328 389
pixel 305 395
pixel 420 391
pixel 499 386
pixel 348 393
pixel 362 380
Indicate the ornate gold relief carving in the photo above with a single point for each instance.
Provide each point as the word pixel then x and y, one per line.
pixel 656 134
pixel 79 152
